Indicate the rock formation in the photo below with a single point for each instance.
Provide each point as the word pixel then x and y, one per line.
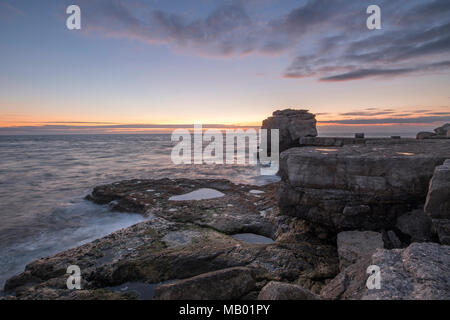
pixel 437 205
pixel 184 247
pixel 226 284
pixel 334 193
pixel 292 125
pixel 442 132
pixel 285 291
pixel 416 225
pixel 358 187
pixel 421 271
pixel 356 245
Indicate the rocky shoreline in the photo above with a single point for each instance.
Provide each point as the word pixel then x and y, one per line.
pixel 189 244
pixel 342 205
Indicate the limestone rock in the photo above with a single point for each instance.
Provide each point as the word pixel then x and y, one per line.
pixel 443 130
pixel 358 187
pixel 441 228
pixel 416 225
pixel 425 135
pixel 182 244
pixel 437 205
pixel 349 284
pixel 285 291
pixel 421 271
pixel 356 245
pixel 393 240
pixel 232 283
pixel 292 125
pixel 237 211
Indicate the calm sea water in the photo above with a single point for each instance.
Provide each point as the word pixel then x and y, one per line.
pixel 43 181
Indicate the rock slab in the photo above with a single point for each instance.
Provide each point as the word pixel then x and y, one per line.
pixel 292 125
pixel 232 283
pixel 358 187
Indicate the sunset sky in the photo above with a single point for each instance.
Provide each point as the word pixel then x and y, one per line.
pixel 142 66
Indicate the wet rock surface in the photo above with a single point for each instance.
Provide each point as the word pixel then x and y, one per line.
pixel 179 245
pixel 362 186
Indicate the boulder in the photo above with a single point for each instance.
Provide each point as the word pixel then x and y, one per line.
pixel 285 291
pixel 292 125
pixel 441 227
pixel 355 245
pixel 361 186
pixel 437 204
pixel 419 272
pixel 232 283
pixel 416 225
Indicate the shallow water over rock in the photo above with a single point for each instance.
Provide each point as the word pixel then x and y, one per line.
pixel 146 291
pixel 252 238
pixel 200 194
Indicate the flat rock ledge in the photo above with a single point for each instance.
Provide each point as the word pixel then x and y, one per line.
pixel 184 245
pixel 359 186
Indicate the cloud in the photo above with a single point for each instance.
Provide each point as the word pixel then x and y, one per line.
pixel 227 30
pixel 362 113
pixel 328 40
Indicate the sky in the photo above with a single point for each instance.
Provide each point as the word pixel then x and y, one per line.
pixel 147 66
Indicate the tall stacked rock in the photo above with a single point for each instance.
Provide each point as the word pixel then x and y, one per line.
pixel 293 125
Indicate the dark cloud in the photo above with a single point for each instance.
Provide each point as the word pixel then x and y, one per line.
pixel 401 47
pixel 365 73
pixel 328 39
pixel 369 73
